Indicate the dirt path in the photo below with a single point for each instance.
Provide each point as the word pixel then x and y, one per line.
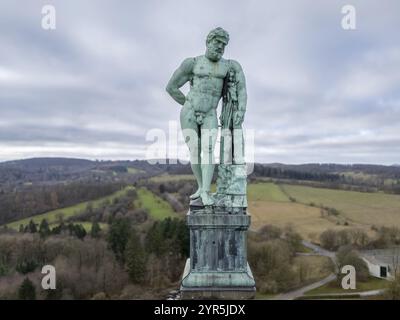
pixel 300 292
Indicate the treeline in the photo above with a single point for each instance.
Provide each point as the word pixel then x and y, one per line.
pixel 154 259
pixel 368 169
pixel 43 169
pixel 345 183
pixel 132 261
pixel 29 201
pixel 393 188
pixel 378 178
pixel 359 239
pixel 261 170
pixel 83 268
pixel 70 229
pixel 122 206
pixel 128 261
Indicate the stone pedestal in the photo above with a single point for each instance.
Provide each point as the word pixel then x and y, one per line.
pixel 217 268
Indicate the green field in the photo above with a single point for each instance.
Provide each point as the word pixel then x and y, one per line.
pixel 265 192
pixel 269 203
pixel 158 208
pixel 359 207
pixel 53 216
pixel 335 287
pixel 134 170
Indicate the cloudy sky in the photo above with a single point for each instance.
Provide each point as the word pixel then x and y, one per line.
pixel 94 87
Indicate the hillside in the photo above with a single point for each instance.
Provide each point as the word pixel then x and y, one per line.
pixel 45 185
pixel 312 211
pixel 145 204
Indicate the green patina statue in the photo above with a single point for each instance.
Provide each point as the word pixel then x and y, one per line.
pixel 217 267
pixel 211 78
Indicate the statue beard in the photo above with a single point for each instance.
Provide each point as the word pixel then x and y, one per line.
pixel 214 54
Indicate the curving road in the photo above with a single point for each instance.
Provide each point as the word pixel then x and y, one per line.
pixel 291 295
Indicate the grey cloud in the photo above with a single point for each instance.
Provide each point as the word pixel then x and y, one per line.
pixel 99 79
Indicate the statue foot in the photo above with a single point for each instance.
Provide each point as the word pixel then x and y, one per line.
pixel 196 194
pixel 206 199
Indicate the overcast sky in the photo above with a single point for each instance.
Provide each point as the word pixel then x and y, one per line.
pixel 95 86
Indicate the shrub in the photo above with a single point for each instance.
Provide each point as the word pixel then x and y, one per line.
pixel 27 290
pixel 347 256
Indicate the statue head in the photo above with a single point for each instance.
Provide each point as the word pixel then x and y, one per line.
pixel 216 41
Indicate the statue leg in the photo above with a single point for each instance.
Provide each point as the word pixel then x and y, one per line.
pixel 190 131
pixel 208 134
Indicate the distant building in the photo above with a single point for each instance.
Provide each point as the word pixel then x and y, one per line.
pixel 382 263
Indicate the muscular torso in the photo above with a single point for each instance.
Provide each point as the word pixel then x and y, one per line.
pixel 207 82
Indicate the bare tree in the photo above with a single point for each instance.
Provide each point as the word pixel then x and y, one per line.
pixel 395 261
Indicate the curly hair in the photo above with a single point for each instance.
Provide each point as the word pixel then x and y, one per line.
pixel 218 32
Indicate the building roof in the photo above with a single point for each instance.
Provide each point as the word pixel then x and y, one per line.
pixel 384 257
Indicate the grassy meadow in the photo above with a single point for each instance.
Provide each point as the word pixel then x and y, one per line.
pixel 358 207
pixel 157 207
pixel 134 170
pixel 335 287
pixel 269 203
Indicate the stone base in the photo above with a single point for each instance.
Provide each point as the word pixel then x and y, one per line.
pixel 217 268
pixel 216 294
pixel 217 285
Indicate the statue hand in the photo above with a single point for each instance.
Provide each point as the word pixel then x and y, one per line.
pixel 238 118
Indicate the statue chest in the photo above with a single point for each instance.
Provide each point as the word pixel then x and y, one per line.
pixel 205 69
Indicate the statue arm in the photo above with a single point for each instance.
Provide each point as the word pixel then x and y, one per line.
pixel 238 116
pixel 178 79
pixel 241 86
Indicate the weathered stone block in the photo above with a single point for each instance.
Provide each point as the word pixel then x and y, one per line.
pixel 218 257
pixel 217 285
